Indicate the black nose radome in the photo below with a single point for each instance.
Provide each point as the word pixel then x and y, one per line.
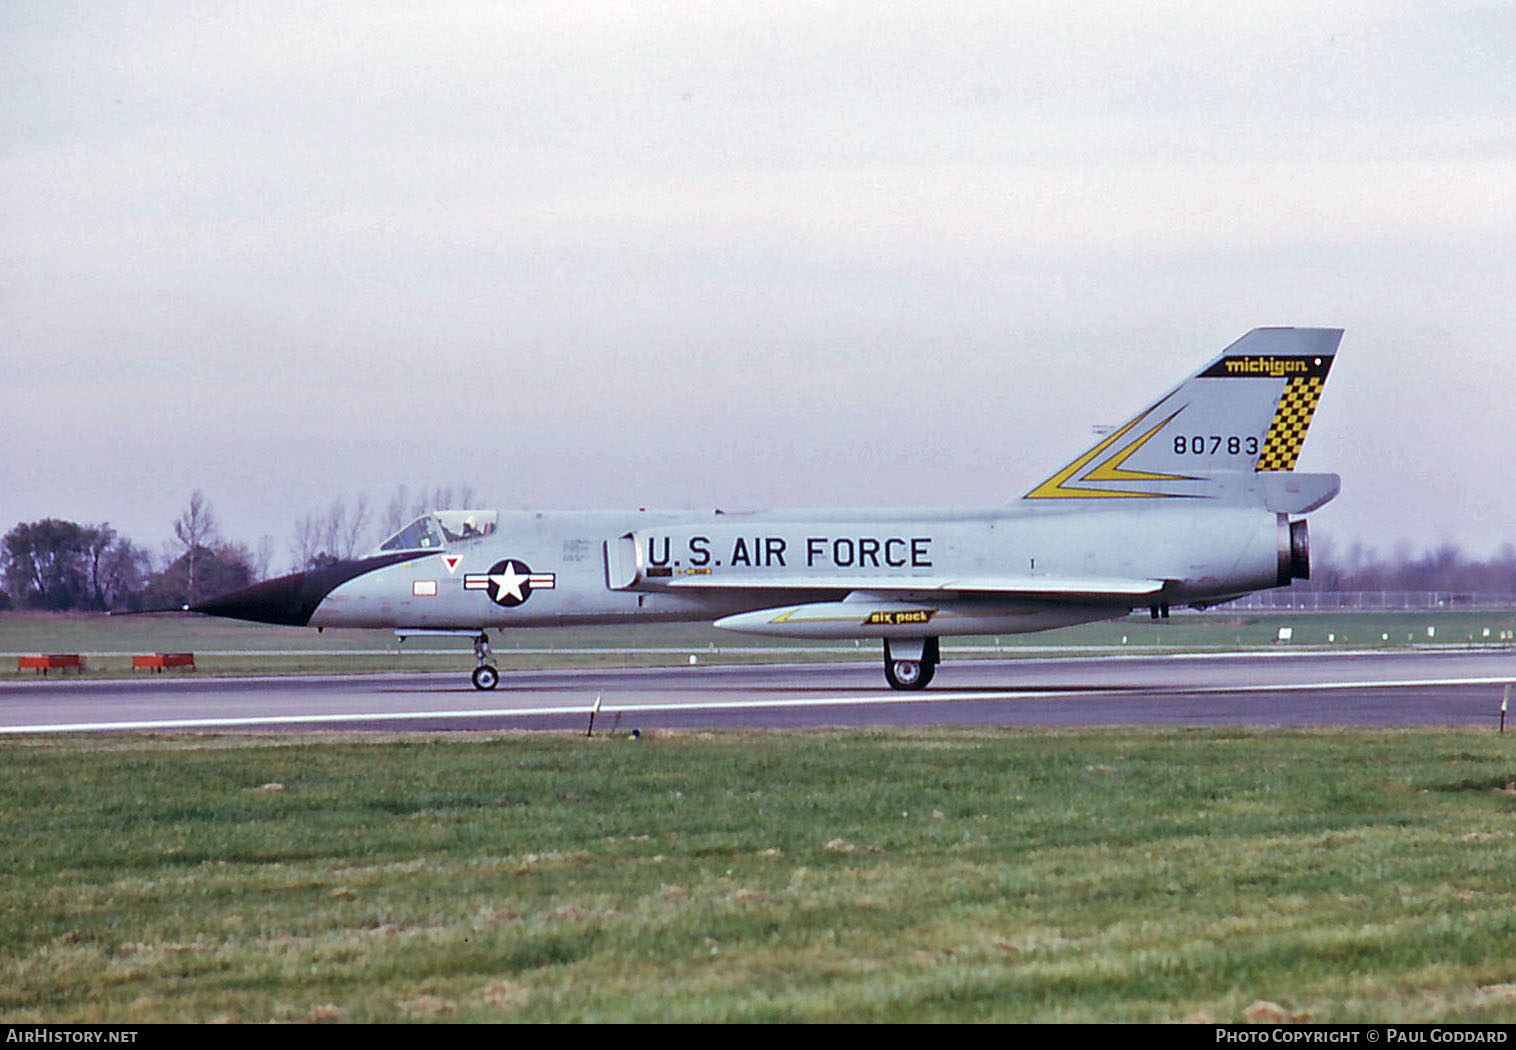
pixel 293 599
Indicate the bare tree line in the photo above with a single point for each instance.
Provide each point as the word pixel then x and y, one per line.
pixel 57 564
pixel 1445 567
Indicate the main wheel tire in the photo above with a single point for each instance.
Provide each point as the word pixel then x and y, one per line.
pixel 908 674
pixel 486 677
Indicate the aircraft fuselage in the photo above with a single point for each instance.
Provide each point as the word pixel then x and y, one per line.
pixel 540 569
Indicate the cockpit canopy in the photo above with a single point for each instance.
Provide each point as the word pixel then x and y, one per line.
pixel 442 528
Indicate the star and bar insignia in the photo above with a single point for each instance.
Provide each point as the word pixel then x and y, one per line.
pixel 510 582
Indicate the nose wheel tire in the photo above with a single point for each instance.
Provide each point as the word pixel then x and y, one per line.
pixel 908 674
pixel 486 677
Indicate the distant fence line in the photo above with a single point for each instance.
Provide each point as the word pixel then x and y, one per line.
pixel 1371 601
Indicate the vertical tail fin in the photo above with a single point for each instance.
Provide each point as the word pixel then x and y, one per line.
pixel 1247 411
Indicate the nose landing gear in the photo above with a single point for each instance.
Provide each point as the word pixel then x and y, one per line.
pixel 486 677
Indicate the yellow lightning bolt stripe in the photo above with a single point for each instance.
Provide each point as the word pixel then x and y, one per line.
pixel 1111 469
pixel 1108 470
pixel 1281 447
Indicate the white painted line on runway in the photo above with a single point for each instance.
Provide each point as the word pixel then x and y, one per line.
pixel 518 712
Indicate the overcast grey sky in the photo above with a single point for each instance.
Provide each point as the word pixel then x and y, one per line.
pixel 701 254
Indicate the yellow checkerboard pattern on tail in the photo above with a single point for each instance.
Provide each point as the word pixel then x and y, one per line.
pixel 1287 433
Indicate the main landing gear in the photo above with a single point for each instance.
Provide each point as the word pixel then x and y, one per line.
pixel 909 663
pixel 486 677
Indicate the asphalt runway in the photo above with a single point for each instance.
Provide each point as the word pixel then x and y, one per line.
pixel 1425 688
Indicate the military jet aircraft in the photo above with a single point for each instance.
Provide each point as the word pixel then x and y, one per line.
pixel 1192 501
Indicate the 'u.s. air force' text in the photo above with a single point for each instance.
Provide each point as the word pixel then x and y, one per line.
pixel 775 552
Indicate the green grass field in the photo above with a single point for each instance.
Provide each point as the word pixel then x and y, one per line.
pixel 230 647
pixel 911 875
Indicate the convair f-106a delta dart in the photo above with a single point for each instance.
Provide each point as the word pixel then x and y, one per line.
pixel 1193 501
